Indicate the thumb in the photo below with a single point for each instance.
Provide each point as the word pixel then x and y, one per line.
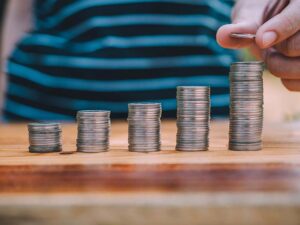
pixel 280 27
pixel 225 40
pixel 247 16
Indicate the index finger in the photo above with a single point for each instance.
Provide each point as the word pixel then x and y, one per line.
pixel 225 39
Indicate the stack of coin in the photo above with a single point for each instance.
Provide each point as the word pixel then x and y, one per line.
pixel 93 130
pixel 193 116
pixel 144 127
pixel 246 106
pixel 44 137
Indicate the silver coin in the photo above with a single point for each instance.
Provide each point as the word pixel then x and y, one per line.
pixel 45 148
pixel 144 127
pixel 243 36
pixel 93 130
pixel 193 109
pixel 92 149
pixel 44 137
pixel 246 106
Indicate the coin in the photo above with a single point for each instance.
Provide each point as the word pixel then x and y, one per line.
pixel 193 115
pixel 243 36
pixel 93 130
pixel 246 106
pixel 44 137
pixel 144 127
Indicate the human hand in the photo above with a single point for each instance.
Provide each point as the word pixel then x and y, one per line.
pixel 277 32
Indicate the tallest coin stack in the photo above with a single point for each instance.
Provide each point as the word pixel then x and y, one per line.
pixel 246 106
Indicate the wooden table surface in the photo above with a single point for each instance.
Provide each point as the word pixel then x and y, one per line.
pixel 168 187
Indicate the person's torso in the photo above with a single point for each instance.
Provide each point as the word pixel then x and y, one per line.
pixel 102 54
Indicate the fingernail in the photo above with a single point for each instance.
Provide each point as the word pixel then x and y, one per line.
pixel 269 38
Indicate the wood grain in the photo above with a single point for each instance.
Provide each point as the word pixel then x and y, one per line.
pixel 145 178
pixel 275 168
pixel 167 187
pixel 281 145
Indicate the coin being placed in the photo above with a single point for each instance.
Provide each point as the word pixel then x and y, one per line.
pixel 243 36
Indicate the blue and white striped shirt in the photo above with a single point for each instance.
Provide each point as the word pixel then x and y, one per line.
pixel 102 54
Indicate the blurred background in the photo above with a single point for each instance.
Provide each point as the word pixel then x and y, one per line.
pixel 280 104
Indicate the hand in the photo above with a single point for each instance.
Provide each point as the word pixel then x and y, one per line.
pixel 277 35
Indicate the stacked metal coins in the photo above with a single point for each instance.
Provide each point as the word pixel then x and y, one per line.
pixel 144 127
pixel 93 130
pixel 246 106
pixel 44 137
pixel 193 116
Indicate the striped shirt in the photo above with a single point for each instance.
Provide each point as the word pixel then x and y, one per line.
pixel 103 54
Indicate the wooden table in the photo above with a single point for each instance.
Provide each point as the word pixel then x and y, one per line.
pixel 167 187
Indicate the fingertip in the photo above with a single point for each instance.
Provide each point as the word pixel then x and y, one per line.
pixel 280 27
pixel 223 35
pixel 225 40
pixel 266 39
pixel 291 85
pixel 259 43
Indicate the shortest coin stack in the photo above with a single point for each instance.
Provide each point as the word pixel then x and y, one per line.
pixel 144 127
pixel 44 137
pixel 93 130
pixel 193 116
